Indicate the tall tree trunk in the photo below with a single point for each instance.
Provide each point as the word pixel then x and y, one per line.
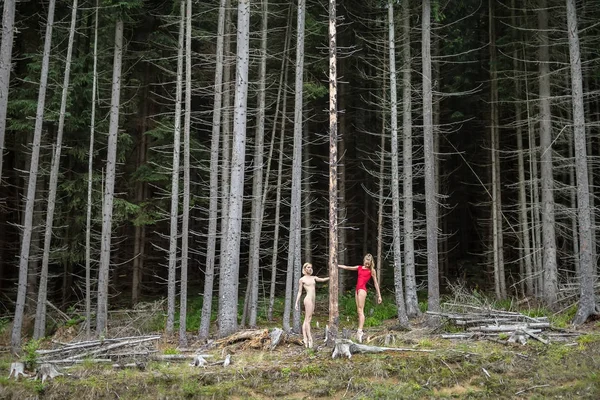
pixel 587 279
pixel 139 240
pixel 213 209
pixel 185 224
pixel 527 276
pixel 226 129
pixel 88 224
pixel 228 284
pixel 293 263
pixel 396 232
pixel 534 190
pixel 497 248
pixel 382 159
pixel 257 181
pixel 283 78
pixel 547 180
pixel 333 176
pixel 40 312
pixel 8 28
pixel 307 197
pixel 31 186
pixel 412 302
pixel 109 185
pixel 433 295
pixel 174 218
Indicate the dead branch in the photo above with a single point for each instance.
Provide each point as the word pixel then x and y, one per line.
pixel 346 347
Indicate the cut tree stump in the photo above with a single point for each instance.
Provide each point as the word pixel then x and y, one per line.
pixel 47 371
pixel 346 347
pixel 17 369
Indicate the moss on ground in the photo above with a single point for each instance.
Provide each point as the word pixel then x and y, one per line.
pixel 469 369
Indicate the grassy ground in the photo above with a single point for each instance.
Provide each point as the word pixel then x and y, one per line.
pixel 471 369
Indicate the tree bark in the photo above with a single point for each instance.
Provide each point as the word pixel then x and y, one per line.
pixel 6 45
pixel 587 279
pixel 433 294
pixel 109 186
pixel 257 181
pixel 228 285
pixel 213 209
pixel 412 302
pixel 33 172
pixel 550 269
pixel 88 224
pixel 185 229
pixel 40 312
pixel 399 291
pixel 497 230
pixel 293 263
pixel 333 176
pixel 174 216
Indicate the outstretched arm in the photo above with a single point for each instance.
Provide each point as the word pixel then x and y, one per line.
pixel 299 293
pixel 374 275
pixel 321 279
pixel 349 268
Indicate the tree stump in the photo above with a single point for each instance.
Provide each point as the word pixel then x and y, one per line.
pixel 17 369
pixel 47 371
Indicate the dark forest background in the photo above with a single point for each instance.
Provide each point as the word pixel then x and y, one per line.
pixel 462 117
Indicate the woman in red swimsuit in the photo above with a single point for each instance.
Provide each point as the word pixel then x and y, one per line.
pixel 365 272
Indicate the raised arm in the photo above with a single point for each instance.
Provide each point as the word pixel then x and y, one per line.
pixel 321 279
pixel 299 293
pixel 374 275
pixel 349 268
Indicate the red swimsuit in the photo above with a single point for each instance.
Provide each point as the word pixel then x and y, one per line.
pixel 363 277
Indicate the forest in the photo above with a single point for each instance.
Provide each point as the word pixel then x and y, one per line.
pixel 207 149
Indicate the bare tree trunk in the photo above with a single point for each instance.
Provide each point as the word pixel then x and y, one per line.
pixel 333 176
pixel 535 204
pixel 293 263
pixel 527 275
pixel 548 231
pixel 283 78
pixel 226 128
pixel 257 184
pixel 88 224
pixel 587 302
pixel 213 211
pixel 185 224
pixel 174 217
pixel 382 159
pixel 33 172
pixel 497 249
pixel 228 284
pixel 109 187
pixel 399 291
pixel 412 302
pixel 307 199
pixel 40 312
pixel 8 28
pixel 430 173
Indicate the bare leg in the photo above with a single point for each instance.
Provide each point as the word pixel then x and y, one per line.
pixel 360 297
pixel 309 308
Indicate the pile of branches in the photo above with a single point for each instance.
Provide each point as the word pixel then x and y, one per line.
pixel 475 316
pixel 103 350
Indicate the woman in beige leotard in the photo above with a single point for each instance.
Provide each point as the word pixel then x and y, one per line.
pixel 308 282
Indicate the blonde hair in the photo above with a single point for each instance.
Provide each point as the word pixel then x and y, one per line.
pixel 306 265
pixel 369 259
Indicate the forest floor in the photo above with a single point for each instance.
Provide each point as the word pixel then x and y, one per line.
pixel 484 368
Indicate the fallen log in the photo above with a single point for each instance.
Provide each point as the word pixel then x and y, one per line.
pixel 509 328
pixel 346 347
